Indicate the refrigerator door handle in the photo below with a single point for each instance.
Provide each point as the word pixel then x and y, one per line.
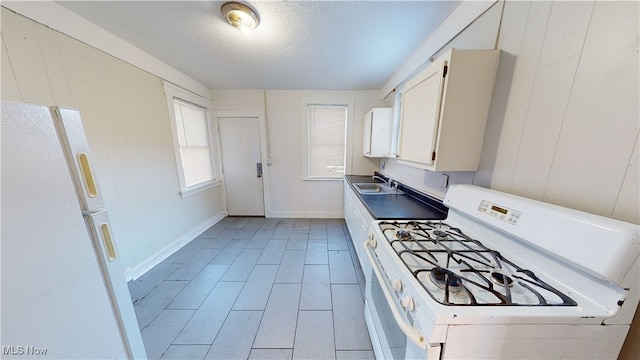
pixel 87 175
pixel 108 241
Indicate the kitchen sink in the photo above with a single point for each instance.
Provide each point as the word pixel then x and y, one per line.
pixel 376 188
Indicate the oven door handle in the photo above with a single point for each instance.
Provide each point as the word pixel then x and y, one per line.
pixel 414 335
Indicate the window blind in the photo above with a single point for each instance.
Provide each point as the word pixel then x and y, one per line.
pixel 326 140
pixel 193 136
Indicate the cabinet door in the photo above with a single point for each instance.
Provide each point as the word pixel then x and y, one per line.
pixel 366 134
pixel 420 115
pixel 358 220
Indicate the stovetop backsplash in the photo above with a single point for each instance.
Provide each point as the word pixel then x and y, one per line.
pixel 427 181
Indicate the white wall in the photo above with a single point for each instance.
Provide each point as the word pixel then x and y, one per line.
pixel 290 195
pixel 238 100
pixel 126 119
pixel 569 132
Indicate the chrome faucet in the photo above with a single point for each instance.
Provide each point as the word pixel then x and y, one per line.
pixel 390 183
pixel 387 182
pixel 394 185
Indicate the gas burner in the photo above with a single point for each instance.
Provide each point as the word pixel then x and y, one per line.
pixel 456 269
pixel 403 235
pixel 501 279
pixel 440 234
pixel 444 278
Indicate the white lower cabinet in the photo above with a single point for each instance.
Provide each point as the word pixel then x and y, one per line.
pixel 358 220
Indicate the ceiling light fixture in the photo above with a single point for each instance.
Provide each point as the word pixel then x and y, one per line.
pixel 240 16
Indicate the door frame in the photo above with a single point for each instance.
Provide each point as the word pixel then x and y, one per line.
pixel 264 150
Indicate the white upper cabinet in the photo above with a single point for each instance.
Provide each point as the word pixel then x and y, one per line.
pixel 444 111
pixel 421 102
pixel 376 132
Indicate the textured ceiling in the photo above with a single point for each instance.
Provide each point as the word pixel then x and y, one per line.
pixel 319 45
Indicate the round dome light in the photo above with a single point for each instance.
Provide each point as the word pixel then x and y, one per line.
pixel 240 16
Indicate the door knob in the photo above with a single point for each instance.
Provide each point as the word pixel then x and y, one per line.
pixel 259 169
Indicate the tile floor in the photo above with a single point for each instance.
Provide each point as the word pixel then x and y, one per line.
pixel 256 288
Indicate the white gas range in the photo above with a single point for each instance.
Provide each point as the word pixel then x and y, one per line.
pixel 503 277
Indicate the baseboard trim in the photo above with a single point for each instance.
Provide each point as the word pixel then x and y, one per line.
pixel 306 215
pixel 139 270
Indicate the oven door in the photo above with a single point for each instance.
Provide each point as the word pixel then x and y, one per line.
pixel 392 334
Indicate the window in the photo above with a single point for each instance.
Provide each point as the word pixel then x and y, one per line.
pixel 192 140
pixel 326 139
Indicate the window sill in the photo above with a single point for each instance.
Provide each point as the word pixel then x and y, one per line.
pixel 199 188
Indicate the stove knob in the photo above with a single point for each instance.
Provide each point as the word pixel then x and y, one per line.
pixel 372 241
pixel 397 285
pixel 408 303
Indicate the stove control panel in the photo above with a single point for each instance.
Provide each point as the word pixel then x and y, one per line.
pixel 500 212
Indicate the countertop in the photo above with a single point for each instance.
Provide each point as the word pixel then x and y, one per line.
pixel 412 205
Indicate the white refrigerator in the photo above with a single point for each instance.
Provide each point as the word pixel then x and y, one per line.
pixel 63 289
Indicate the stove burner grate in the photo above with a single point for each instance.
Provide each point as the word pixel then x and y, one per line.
pixel 445 279
pixel 501 279
pixel 439 234
pixel 403 235
pixel 462 271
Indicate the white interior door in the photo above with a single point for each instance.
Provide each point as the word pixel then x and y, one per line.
pixel 242 165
